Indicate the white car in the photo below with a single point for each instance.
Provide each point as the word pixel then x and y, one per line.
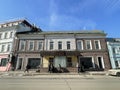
pixel 115 72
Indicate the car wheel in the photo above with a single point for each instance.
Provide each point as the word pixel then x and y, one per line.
pixel 118 74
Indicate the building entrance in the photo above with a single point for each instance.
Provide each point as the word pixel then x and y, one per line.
pixel 60 60
pixel 34 62
pixel 86 62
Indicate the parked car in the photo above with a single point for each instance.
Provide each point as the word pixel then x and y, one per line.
pixel 114 72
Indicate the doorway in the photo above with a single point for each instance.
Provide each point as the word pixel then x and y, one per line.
pixel 86 62
pixel 60 60
pixel 51 60
pixel 34 62
pixel 100 62
pixel 19 64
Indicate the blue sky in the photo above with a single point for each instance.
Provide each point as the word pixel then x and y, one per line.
pixel 64 15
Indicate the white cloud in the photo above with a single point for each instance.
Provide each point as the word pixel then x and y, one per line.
pixel 68 22
pixel 53 19
pixel 53 13
pixel 65 22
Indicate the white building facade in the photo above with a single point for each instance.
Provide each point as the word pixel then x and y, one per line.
pixel 8 32
pixel 113 45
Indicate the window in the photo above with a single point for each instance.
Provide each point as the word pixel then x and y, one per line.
pixel 59 45
pixel 88 44
pixel 113 49
pixel 68 44
pixel 0 35
pixel 40 45
pixel 51 45
pixel 116 63
pixel 22 45
pixel 11 34
pixel 16 23
pixel 4 25
pixel 117 50
pixel 5 35
pixel 31 45
pixel 3 48
pixel 60 60
pixel 4 62
pixel 97 44
pixel 80 45
pixel 34 62
pixel 8 48
pixel 10 24
pixel 69 62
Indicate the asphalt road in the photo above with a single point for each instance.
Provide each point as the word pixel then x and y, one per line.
pixel 103 83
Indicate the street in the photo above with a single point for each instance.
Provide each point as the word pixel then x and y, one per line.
pixel 87 83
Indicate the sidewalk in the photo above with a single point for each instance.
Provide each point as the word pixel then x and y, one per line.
pixel 50 75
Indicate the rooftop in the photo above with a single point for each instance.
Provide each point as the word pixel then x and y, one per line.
pixel 67 32
pixel 13 23
pixel 7 23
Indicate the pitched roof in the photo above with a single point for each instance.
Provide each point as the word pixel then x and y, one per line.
pixel 16 22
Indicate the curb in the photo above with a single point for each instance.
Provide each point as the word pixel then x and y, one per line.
pixel 22 74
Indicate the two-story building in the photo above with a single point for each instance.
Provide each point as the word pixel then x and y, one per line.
pixel 8 32
pixel 114 51
pixel 28 47
pixel 68 49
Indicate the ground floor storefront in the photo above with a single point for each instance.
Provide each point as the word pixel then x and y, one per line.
pixel 4 62
pixel 67 62
pixel 72 63
pixel 33 60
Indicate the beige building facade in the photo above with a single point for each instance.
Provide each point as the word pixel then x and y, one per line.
pixel 67 49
